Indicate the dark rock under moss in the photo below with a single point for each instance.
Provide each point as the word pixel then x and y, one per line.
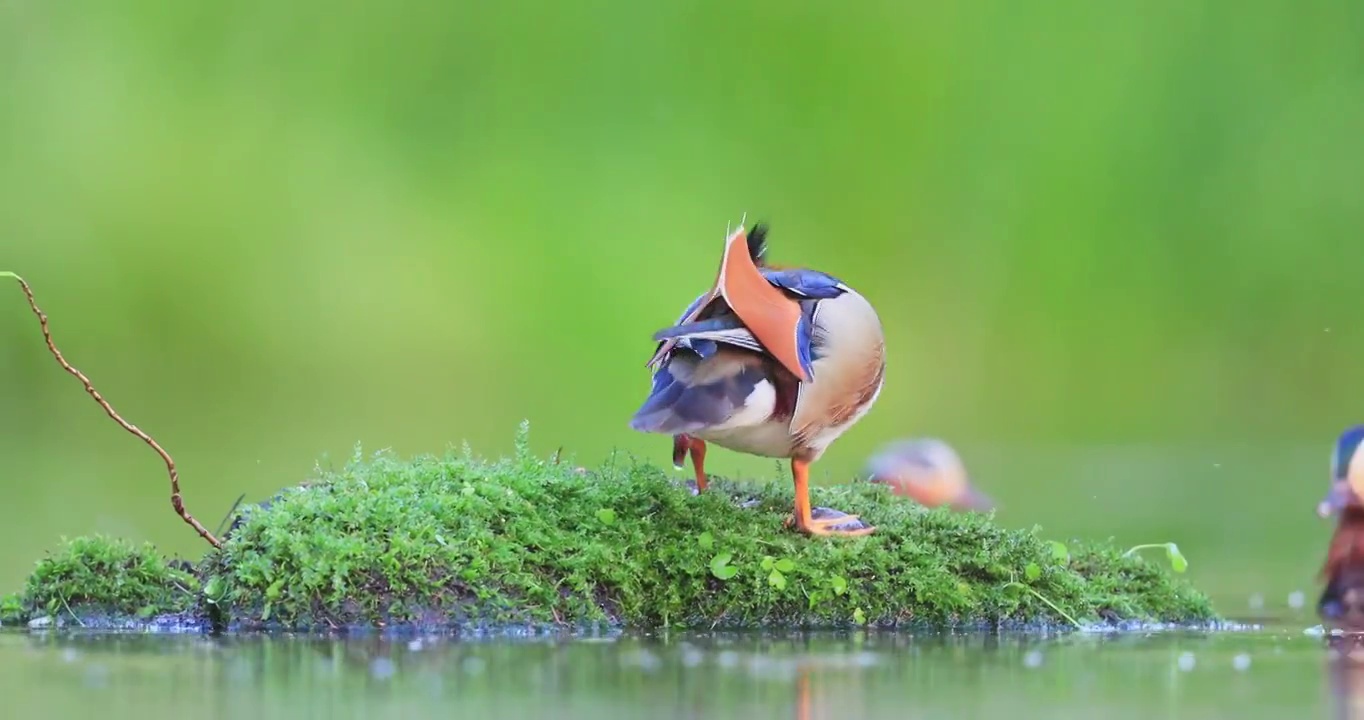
pixel 460 544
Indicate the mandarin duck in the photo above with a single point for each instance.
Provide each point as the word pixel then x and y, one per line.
pixel 1342 601
pixel 928 471
pixel 770 361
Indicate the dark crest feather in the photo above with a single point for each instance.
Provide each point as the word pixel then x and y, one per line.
pixel 757 243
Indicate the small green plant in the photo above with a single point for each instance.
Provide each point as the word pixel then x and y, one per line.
pixel 1059 552
pixel 214 590
pixel 11 610
pixel 838 584
pixel 1032 572
pixel 720 567
pixel 777 570
pixel 1177 561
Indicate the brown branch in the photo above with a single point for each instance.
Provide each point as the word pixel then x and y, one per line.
pixel 176 501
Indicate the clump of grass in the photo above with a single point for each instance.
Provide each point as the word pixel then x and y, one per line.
pixel 98 576
pixel 456 540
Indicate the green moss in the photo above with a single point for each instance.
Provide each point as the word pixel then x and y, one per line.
pixel 97 577
pixel 457 540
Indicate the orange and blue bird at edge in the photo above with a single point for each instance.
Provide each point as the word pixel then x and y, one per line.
pixel 769 361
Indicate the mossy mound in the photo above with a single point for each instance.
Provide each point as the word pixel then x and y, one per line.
pixel 457 543
pixel 110 582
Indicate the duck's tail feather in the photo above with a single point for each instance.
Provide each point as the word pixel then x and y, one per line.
pixel 689 394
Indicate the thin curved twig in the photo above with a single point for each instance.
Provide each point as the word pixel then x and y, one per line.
pixel 176 501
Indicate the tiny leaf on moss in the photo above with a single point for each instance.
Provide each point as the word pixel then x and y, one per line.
pixel 720 567
pixel 1177 561
pixel 839 584
pixel 776 579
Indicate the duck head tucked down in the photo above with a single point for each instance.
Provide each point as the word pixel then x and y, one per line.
pixel 774 362
pixel 1342 601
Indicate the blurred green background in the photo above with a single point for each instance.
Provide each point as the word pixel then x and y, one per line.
pixel 1115 247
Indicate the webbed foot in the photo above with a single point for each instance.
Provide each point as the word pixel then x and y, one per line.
pixel 826 521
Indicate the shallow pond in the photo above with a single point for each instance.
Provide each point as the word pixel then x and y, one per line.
pixel 1271 672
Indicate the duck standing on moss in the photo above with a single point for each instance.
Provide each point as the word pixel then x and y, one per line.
pixel 928 471
pixel 1342 601
pixel 774 362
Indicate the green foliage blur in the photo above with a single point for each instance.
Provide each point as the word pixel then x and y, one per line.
pixel 1115 247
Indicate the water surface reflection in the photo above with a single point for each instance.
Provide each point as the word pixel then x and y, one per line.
pixel 1271 673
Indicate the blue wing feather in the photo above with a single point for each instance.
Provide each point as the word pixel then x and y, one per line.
pixel 727 329
pixel 805 337
pixel 679 405
pixel 726 322
pixel 704 351
pixel 807 283
pixel 661 380
pixel 1346 447
pixel 692 307
pixel 702 337
pixel 700 346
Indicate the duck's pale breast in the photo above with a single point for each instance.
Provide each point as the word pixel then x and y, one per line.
pixel 848 375
pixel 754 427
pixel 768 439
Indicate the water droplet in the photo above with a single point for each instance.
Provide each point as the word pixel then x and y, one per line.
pixel 474 665
pixel 240 670
pixel 1295 599
pixel 691 657
pixel 642 659
pixel 866 659
pixel 1186 661
pixel 96 676
pixel 382 668
pixel 69 655
pixel 727 659
pixel 415 645
pixel 1241 662
pixel 758 666
pixel 1032 659
pixel 1257 601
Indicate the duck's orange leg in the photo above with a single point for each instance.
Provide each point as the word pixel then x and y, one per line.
pixel 802 519
pixel 698 463
pixel 684 445
pixel 803 694
pixel 681 444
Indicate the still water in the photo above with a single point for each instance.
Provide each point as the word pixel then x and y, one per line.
pixel 1275 671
